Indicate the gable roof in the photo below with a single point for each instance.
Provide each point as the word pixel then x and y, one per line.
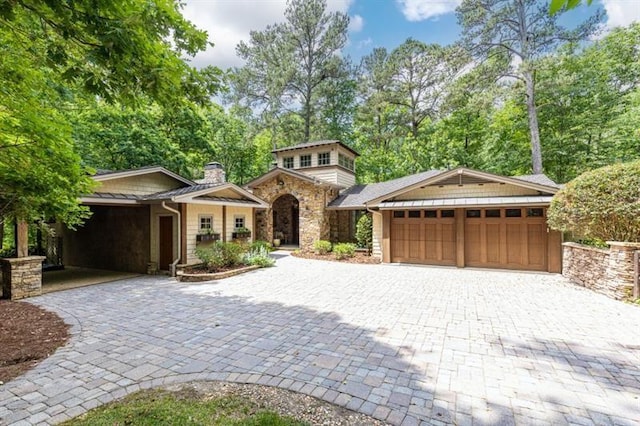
pixel 293 173
pixel 205 192
pixel 103 175
pixel 362 196
pixel 358 195
pixel 313 144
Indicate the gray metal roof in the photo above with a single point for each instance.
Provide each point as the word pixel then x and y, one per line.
pixel 166 195
pixel 116 196
pixel 357 196
pixel 539 179
pixel 467 202
pixel 312 144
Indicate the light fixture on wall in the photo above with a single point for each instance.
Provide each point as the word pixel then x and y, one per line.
pixel 280 182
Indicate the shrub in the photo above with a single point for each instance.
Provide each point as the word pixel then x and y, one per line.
pixel 322 247
pixel 220 255
pixel 364 232
pixel 259 256
pixel 344 250
pixel 260 243
pixel 601 204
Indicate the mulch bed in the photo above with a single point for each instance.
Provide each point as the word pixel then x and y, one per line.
pixel 28 334
pixel 358 258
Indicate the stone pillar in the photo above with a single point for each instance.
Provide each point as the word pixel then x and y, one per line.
pixel 22 277
pixel 619 273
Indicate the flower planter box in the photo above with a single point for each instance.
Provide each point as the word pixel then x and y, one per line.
pixel 207 237
pixel 240 235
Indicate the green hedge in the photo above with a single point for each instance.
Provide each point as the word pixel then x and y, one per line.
pixel 601 204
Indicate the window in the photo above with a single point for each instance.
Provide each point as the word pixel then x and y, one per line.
pixel 492 213
pixel 447 213
pixel 414 213
pixel 430 213
pixel 287 162
pixel 239 221
pixel 206 223
pixel 398 213
pixel 345 161
pixel 513 212
pixel 535 212
pixel 324 159
pixel 305 160
pixel 473 213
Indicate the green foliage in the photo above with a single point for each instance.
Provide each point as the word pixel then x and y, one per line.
pixel 344 250
pixel 98 45
pixel 297 61
pixel 322 247
pixel 154 407
pixel 255 245
pixel 259 256
pixel 601 204
pixel 557 5
pixel 220 255
pixel 364 231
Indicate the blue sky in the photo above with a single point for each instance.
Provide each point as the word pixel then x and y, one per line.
pixel 374 23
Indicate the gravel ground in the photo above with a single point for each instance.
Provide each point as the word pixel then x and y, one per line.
pixel 284 402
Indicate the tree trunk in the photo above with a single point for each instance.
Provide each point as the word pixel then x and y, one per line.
pixel 536 150
pixel 22 238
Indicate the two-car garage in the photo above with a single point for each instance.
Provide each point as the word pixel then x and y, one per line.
pixel 493 237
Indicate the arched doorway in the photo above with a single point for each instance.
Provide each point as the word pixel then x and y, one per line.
pixel 286 219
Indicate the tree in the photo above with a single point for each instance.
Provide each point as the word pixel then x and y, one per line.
pixel 525 31
pixel 420 76
pixel 603 204
pixel 292 63
pixel 53 52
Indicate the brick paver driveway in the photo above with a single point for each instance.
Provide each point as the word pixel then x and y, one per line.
pixel 405 344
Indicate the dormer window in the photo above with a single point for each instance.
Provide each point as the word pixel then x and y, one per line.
pixel 305 160
pixel 324 158
pixel 287 162
pixel 345 162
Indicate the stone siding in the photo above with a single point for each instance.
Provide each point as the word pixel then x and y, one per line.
pixel 609 272
pixel 312 199
pixel 22 277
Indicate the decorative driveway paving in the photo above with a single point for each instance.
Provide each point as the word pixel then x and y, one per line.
pixel 405 344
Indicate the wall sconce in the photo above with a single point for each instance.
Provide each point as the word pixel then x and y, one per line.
pixel 280 183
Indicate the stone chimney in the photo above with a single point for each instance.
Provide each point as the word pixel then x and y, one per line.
pixel 213 173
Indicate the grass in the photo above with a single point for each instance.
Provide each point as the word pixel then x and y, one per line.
pixel 159 407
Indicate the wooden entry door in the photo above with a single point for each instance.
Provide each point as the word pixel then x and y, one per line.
pixel 166 242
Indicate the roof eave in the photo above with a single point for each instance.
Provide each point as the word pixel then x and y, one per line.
pixel 140 172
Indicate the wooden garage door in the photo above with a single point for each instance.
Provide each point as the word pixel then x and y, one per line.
pixel 423 236
pixel 512 238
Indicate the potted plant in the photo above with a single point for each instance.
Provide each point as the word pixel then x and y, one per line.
pixel 207 235
pixel 241 233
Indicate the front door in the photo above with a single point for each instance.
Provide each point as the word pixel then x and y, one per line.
pixel 166 242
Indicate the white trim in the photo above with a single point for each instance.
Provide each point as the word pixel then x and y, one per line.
pixel 190 197
pixel 108 201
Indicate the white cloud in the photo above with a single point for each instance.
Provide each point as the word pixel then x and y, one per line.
pixel 230 21
pixel 356 24
pixel 621 13
pixel 420 10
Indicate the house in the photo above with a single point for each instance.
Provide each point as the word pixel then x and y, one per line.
pixel 150 219
pixel 458 217
pixel 153 219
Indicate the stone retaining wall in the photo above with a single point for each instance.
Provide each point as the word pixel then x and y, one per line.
pixel 606 271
